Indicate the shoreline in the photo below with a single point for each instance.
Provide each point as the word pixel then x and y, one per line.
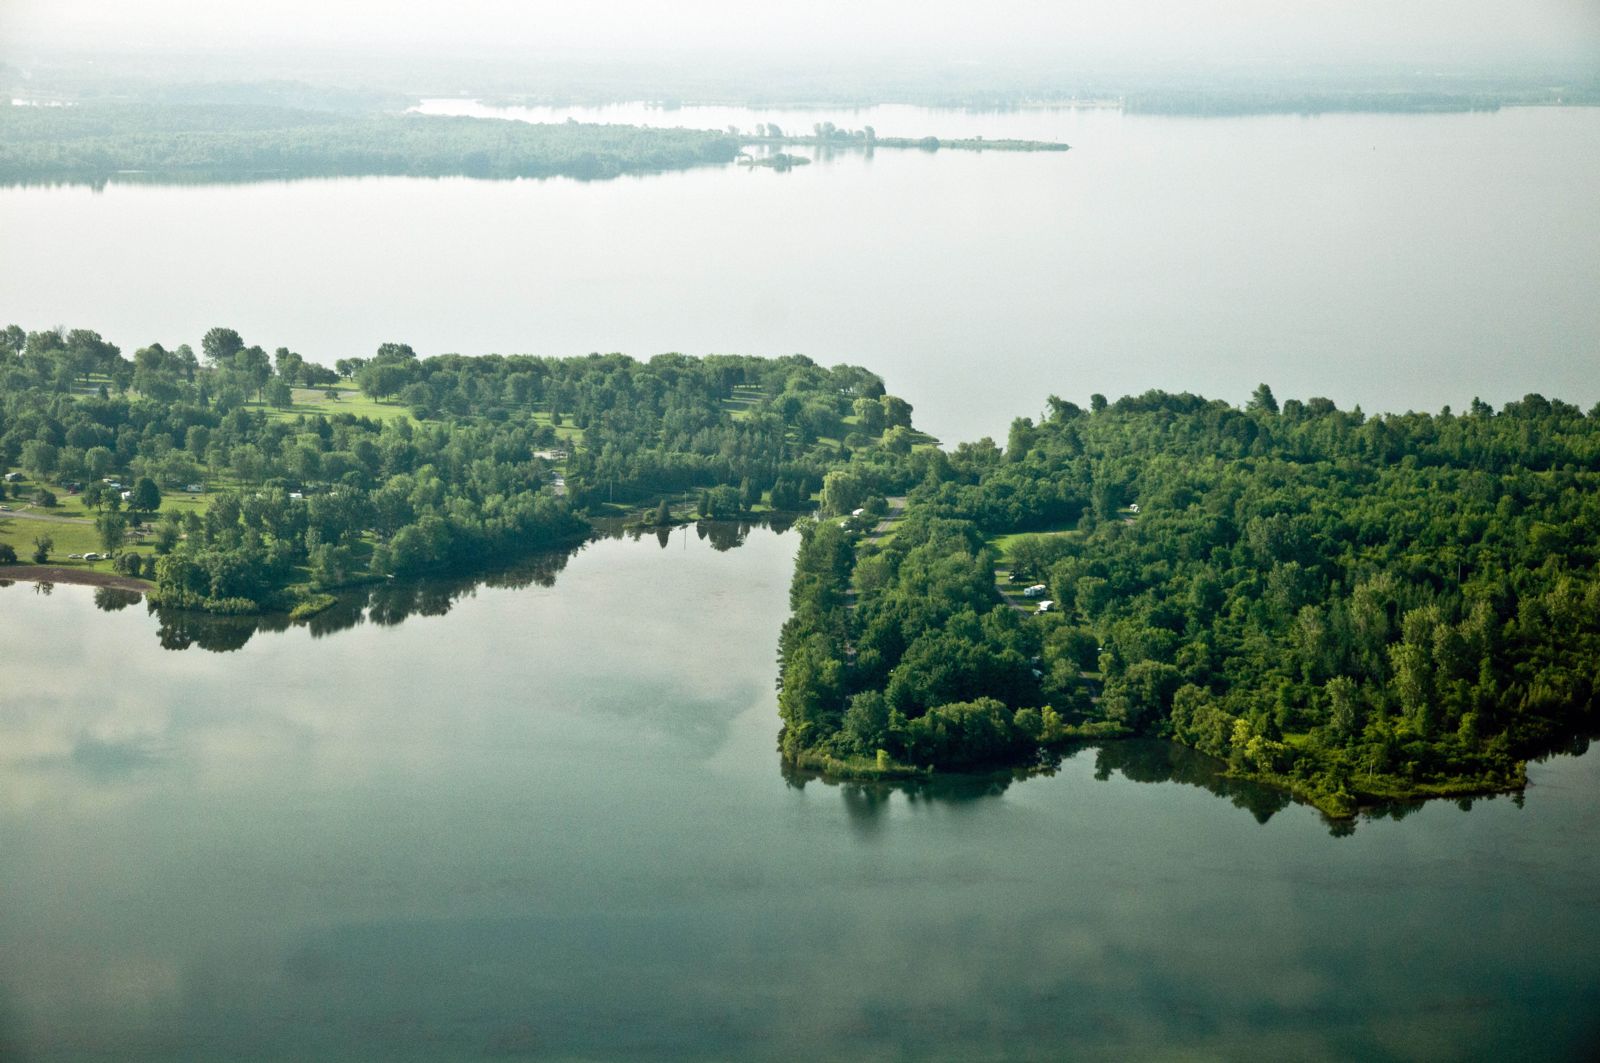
pixel 85 577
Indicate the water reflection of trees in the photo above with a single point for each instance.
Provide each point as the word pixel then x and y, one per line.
pixel 720 535
pixel 1136 760
pixel 394 601
pixel 386 604
pixel 1154 761
pixel 1563 746
pixel 112 599
pixel 866 800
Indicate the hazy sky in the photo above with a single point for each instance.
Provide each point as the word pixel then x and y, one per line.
pixel 1440 31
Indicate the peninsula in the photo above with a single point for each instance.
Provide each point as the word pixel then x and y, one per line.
pixel 1351 608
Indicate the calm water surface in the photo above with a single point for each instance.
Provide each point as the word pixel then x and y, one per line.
pixel 552 825
pixel 1398 261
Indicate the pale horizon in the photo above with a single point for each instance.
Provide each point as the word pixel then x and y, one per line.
pixel 1471 33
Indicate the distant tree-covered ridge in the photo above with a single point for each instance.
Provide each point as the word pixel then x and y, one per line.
pixel 1355 608
pixel 272 480
pixel 99 141
pixel 102 141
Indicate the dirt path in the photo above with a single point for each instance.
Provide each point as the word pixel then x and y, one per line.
pixel 87 577
pixel 48 518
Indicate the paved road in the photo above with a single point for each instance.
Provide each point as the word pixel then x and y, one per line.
pixel 1002 577
pixel 897 506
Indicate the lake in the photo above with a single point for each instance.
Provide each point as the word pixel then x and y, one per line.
pixel 1396 261
pixel 552 824
pixel 544 816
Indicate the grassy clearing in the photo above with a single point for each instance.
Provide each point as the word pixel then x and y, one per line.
pixel 743 401
pixel 173 502
pixel 19 529
pixel 1002 543
pixel 179 503
pixel 66 505
pixel 66 539
pixel 312 401
pixel 176 503
pixel 567 432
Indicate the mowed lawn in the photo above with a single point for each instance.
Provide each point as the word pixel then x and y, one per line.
pixel 71 528
pixel 1002 543
pixel 311 401
pixel 65 539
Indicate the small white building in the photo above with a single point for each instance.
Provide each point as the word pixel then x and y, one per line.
pixel 1038 590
